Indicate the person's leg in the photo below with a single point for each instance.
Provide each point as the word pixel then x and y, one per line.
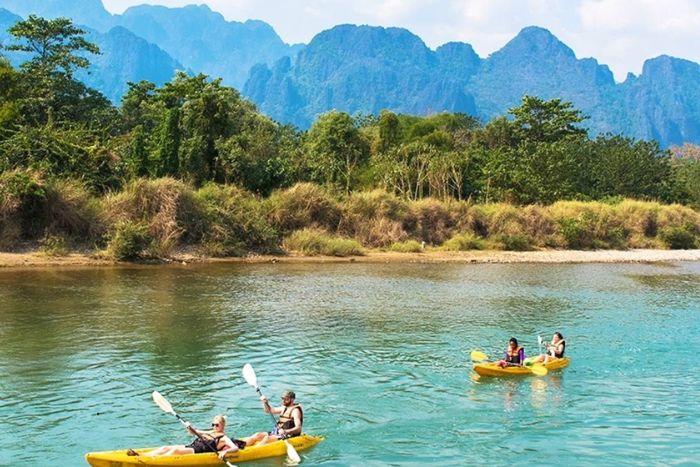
pixel 268 439
pixel 170 451
pixel 255 438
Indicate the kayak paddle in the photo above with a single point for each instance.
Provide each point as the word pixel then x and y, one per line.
pixel 538 369
pixel 252 379
pixel 478 356
pixel 165 406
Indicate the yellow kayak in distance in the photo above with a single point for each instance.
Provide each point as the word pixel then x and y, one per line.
pixel 276 449
pixel 492 368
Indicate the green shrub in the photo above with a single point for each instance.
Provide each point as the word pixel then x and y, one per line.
pixel 576 233
pixel 129 240
pixel 167 207
pixel 54 245
pixel 234 222
pixel 409 246
pixel 314 242
pixel 22 201
pixel 514 242
pixel 678 238
pixel 464 242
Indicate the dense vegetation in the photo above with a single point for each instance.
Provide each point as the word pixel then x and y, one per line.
pixel 193 163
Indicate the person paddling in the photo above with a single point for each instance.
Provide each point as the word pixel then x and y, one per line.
pixel 515 354
pixel 555 349
pixel 214 440
pixel 291 418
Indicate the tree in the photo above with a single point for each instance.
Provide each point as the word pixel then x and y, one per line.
pixel 335 149
pixel 540 121
pixel 169 148
pixel 57 50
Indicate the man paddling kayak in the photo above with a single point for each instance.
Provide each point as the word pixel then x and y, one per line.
pixel 291 418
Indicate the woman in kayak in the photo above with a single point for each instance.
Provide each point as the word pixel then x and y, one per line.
pixel 555 349
pixel 214 440
pixel 515 355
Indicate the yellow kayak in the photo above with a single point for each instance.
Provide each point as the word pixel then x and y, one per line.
pixel 276 449
pixel 492 368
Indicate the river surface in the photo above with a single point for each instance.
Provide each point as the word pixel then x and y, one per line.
pixel 378 354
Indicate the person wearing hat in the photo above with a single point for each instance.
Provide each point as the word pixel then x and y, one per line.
pixel 291 418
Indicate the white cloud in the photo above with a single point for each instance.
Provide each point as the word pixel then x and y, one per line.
pixel 619 33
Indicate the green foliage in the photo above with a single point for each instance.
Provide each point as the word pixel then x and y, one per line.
pixel 303 205
pixel 515 242
pixel 22 198
pixel 234 222
pixel 409 246
pixel 464 242
pixel 315 242
pixel 679 237
pixel 336 150
pixel 540 121
pixel 129 240
pixel 54 245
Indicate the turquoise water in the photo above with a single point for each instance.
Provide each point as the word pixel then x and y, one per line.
pixel 378 355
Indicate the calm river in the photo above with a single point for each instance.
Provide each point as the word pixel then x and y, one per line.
pixel 377 354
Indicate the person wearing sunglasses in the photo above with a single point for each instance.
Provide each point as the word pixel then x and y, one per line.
pixel 214 440
pixel 291 418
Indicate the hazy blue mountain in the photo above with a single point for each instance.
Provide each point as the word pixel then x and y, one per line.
pixel 366 69
pixel 205 42
pixel 362 69
pixel 88 12
pixel 200 39
pixel 125 58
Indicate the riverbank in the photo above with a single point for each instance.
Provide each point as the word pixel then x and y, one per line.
pixel 36 259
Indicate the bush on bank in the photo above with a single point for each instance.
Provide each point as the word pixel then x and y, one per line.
pixel 152 218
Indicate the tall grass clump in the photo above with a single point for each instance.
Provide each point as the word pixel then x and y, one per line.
pixel 22 201
pixel 433 222
pixel 234 222
pixel 162 212
pixel 304 205
pixel 508 227
pixel 409 246
pixel 314 242
pixel 464 242
pixel 70 210
pixel 588 225
pixel 375 218
pixel 640 220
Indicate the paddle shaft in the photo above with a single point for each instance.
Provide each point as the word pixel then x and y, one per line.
pixel 274 419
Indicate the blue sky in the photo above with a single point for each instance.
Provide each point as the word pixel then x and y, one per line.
pixel 619 33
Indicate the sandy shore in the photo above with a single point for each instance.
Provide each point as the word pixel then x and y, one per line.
pixel 33 259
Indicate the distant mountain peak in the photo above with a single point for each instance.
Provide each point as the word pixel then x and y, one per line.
pixel 537 40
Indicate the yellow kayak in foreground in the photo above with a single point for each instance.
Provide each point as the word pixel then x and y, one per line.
pixel 492 368
pixel 276 449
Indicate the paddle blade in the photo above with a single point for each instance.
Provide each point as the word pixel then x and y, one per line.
pixel 163 403
pixel 539 341
pixel 292 453
pixel 478 356
pixel 249 375
pixel 538 369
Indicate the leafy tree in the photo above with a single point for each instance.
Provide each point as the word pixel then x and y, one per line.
pixel 9 94
pixel 169 147
pixel 624 167
pixel 335 149
pixel 389 130
pixel 540 121
pixel 57 50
